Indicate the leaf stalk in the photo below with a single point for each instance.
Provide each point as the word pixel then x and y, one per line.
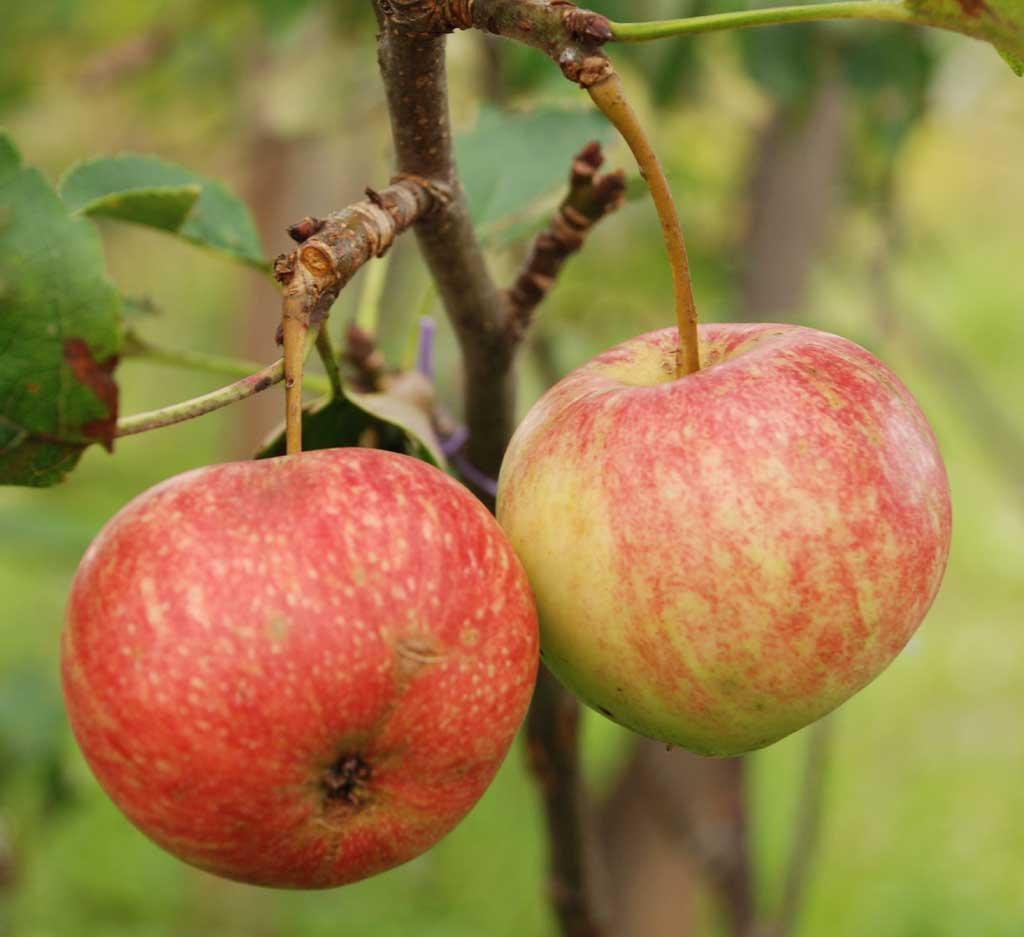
pixel 884 10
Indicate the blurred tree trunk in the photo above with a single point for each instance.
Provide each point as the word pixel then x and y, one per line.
pixel 675 819
pixel 791 194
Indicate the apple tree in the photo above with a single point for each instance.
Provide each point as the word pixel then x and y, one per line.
pixel 724 532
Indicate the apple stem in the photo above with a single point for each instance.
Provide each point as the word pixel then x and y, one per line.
pixel 610 96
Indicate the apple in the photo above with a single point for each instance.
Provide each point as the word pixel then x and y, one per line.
pixel 721 559
pixel 302 671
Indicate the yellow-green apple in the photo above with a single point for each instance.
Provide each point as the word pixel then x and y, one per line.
pixel 719 560
pixel 301 671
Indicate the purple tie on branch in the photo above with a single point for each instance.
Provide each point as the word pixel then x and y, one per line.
pixel 452 444
pixel 425 348
pixel 474 476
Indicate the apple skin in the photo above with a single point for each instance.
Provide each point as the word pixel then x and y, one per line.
pixel 720 560
pixel 302 671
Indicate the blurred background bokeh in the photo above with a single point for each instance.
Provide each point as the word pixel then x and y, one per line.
pixel 862 179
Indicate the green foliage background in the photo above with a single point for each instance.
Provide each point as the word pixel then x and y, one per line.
pixel 924 833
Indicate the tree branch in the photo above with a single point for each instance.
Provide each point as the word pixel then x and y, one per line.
pixel 552 744
pixel 413 68
pixel 330 251
pixel 675 819
pixel 411 52
pixel 568 35
pixel 591 196
pixel 572 37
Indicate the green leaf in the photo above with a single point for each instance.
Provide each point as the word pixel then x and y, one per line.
pixel 411 420
pixel 391 421
pixel 787 63
pixel 509 161
pixel 31 719
pixel 25 460
pixel 890 73
pixel 280 16
pixel 59 331
pixel 675 71
pixel 9 158
pixel 1000 22
pixel 328 423
pixel 1015 62
pixel 149 191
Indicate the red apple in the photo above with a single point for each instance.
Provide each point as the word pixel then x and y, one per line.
pixel 721 559
pixel 302 671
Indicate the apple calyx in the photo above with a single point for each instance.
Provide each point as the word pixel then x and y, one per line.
pixel 347 780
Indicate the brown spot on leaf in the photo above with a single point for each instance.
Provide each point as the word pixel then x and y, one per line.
pixel 98 376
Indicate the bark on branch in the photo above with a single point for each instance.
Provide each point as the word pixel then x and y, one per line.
pixel 552 744
pixel 571 36
pixel 331 250
pixel 591 196
pixel 413 67
pixel 411 51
